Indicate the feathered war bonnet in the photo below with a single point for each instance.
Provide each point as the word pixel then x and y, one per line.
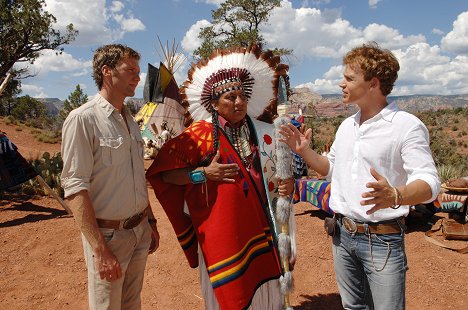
pixel 249 69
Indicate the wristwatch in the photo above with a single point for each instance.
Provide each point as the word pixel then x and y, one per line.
pixel 197 176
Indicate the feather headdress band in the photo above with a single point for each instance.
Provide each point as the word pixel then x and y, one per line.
pixel 249 69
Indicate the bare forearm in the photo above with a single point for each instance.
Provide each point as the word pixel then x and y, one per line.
pixel 315 161
pixel 85 218
pixel 415 192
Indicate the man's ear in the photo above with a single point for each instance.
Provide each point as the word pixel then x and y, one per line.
pixel 106 70
pixel 375 83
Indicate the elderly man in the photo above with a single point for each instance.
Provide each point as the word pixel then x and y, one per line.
pixel 223 172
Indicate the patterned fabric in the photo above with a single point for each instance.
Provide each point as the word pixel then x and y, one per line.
pixel 316 192
pixel 218 212
pixel 14 169
pixel 450 202
pixel 299 166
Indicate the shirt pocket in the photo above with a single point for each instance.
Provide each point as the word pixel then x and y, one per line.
pixel 113 151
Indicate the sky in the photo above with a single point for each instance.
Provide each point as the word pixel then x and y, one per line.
pixel 429 38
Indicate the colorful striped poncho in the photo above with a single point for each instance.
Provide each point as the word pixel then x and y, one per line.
pixel 232 222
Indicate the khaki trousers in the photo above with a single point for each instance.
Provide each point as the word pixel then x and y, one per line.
pixel 130 246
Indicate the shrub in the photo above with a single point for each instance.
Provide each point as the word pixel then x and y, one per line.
pixel 49 168
pixel 447 172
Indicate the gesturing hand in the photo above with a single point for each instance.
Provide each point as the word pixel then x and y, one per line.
pixel 221 172
pixel 297 141
pixel 382 196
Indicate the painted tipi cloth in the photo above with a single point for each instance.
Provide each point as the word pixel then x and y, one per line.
pixel 219 211
pixel 14 169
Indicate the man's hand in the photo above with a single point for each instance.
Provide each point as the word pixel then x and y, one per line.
pixel 297 141
pixel 154 238
pixel 285 187
pixel 382 196
pixel 221 172
pixel 107 264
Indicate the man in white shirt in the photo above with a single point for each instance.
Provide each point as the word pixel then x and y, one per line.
pixel 379 164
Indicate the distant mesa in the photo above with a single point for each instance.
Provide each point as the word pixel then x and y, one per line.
pixel 330 105
pixel 53 105
pixel 326 105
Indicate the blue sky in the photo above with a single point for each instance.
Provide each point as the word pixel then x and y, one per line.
pixel 429 37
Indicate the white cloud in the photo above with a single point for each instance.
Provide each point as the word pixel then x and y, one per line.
pixel 437 31
pixel 132 24
pixel 95 21
pixel 216 2
pixel 313 34
pixel 456 41
pixel 50 61
pixel 116 6
pixel 33 91
pixel 388 37
pixel 141 84
pixel 373 3
pixel 191 42
pixel 424 70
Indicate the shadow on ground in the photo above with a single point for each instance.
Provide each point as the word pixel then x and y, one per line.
pixel 22 203
pixel 320 302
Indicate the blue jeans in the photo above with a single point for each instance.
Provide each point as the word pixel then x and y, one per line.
pixel 370 269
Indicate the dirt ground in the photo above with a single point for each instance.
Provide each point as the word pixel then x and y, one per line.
pixel 42 265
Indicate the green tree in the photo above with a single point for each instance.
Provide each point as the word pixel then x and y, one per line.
pixel 7 98
pixel 26 30
pixel 27 108
pixel 132 106
pixel 75 100
pixel 236 23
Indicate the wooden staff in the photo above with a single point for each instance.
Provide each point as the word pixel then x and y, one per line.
pixel 284 159
pixel 43 183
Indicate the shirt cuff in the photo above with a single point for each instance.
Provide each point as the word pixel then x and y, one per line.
pixel 72 186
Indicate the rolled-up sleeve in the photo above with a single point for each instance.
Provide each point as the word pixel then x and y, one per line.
pixel 77 154
pixel 418 161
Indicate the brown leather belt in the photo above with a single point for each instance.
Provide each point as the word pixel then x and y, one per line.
pixel 128 223
pixel 388 227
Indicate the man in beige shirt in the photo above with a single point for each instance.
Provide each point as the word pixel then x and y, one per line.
pixel 104 181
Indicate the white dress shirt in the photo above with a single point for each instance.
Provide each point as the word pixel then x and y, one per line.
pixel 395 143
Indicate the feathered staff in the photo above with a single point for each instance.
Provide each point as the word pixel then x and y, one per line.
pixel 284 212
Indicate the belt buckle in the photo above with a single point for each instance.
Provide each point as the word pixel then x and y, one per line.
pixel 132 221
pixel 349 225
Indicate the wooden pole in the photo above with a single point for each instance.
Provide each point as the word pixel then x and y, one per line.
pixel 53 193
pixel 5 82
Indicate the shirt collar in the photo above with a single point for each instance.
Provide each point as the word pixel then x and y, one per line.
pixel 223 122
pixel 387 114
pixel 106 106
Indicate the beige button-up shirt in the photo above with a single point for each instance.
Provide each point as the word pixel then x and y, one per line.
pixel 102 157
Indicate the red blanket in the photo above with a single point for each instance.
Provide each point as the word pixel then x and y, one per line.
pixel 229 220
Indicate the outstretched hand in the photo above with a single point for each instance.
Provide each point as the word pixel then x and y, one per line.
pixel 382 195
pixel 221 172
pixel 297 141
